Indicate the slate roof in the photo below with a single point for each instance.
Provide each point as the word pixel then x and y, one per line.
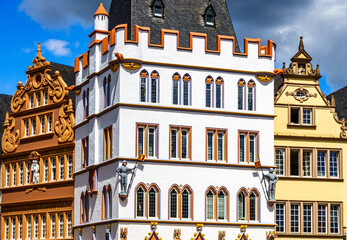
pixel 183 15
pixel 340 102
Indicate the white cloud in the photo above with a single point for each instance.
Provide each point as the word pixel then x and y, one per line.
pixel 63 13
pixel 57 47
pixel 27 50
pixel 77 44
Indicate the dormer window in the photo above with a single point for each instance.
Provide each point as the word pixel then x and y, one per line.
pixel 209 16
pixel 158 8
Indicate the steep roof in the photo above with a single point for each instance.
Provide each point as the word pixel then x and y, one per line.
pixel 340 97
pixel 5 106
pixel 101 10
pixel 184 16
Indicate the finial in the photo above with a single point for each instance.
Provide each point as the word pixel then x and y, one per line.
pixel 318 71
pixel 39 50
pixel 332 100
pixel 301 45
pixel 101 4
pixel 284 66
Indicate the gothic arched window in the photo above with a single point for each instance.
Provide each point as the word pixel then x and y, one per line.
pixel 209 91
pixel 143 85
pixel 222 204
pixel 251 95
pixel 210 204
pixel 209 16
pixel 158 8
pixel 241 94
pixel 107 91
pixel 174 203
pixel 186 206
pixel 140 201
pixel 241 205
pixel 253 206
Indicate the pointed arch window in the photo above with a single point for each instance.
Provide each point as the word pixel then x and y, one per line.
pixel 186 89
pixel 174 204
pixel 176 78
pixel 219 92
pixel 106 202
pixel 152 202
pixel 241 204
pixel 107 91
pixel 84 207
pixel 222 206
pixel 251 95
pixel 154 88
pixel 186 203
pixel 209 91
pixel 143 85
pixel 140 201
pixel 253 206
pixel 241 94
pixel 210 204
pixel 158 8
pixel 209 16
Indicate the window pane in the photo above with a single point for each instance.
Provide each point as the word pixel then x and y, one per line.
pixel 242 148
pixel 151 142
pixel 154 90
pixel 241 206
pixel 250 98
pixel 173 204
pixel 252 207
pixel 184 144
pixel 307 162
pixel 307 220
pixel 280 154
pixel 334 218
pixel 218 95
pixel 140 203
pixel 294 115
pixel 307 116
pixel 175 92
pixel 208 95
pixel 251 147
pixel 240 98
pixel 143 89
pixel 140 136
pixel 173 143
pixel 220 145
pixel 321 162
pixel 221 206
pixel 294 218
pixel 152 203
pixel 294 162
pixel 322 218
pixel 185 204
pixel 280 217
pixel 185 92
pixel 209 145
pixel 334 164
pixel 209 205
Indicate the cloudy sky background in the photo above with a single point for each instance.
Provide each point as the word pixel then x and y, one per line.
pixel 63 27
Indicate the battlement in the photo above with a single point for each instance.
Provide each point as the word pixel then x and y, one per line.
pixel 169 51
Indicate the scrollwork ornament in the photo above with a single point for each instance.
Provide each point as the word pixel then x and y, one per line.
pixel 9 140
pixel 64 127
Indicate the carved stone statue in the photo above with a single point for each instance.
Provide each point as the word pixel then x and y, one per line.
pixel 35 168
pixel 123 173
pixel 272 180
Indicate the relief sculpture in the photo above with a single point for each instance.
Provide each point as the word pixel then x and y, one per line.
pixel 9 140
pixel 64 127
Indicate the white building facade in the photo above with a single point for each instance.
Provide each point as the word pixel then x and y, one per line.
pixel 201 118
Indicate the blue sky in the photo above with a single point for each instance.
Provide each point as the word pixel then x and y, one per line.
pixel 63 26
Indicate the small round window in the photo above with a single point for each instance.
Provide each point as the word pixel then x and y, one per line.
pixel 301 94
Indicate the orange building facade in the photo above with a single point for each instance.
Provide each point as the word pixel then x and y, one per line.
pixel 38 158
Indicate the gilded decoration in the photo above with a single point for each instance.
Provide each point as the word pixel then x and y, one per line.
pixel 264 78
pixel 9 140
pixel 153 235
pixel 38 77
pixel 301 94
pixel 123 233
pixel 177 234
pixel 131 65
pixel 64 127
pixel 271 235
pixel 221 235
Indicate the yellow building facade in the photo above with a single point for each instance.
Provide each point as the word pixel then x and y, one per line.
pixel 310 146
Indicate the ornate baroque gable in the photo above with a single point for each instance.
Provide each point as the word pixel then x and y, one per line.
pixel 39 77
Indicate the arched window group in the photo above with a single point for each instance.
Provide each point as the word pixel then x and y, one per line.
pixel 149 87
pixel 84 207
pixel 181 89
pixel 85 103
pixel 107 91
pixel 248 205
pixel 242 102
pixel 214 96
pixel 217 203
pixel 147 201
pixel 107 202
pixel 180 202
